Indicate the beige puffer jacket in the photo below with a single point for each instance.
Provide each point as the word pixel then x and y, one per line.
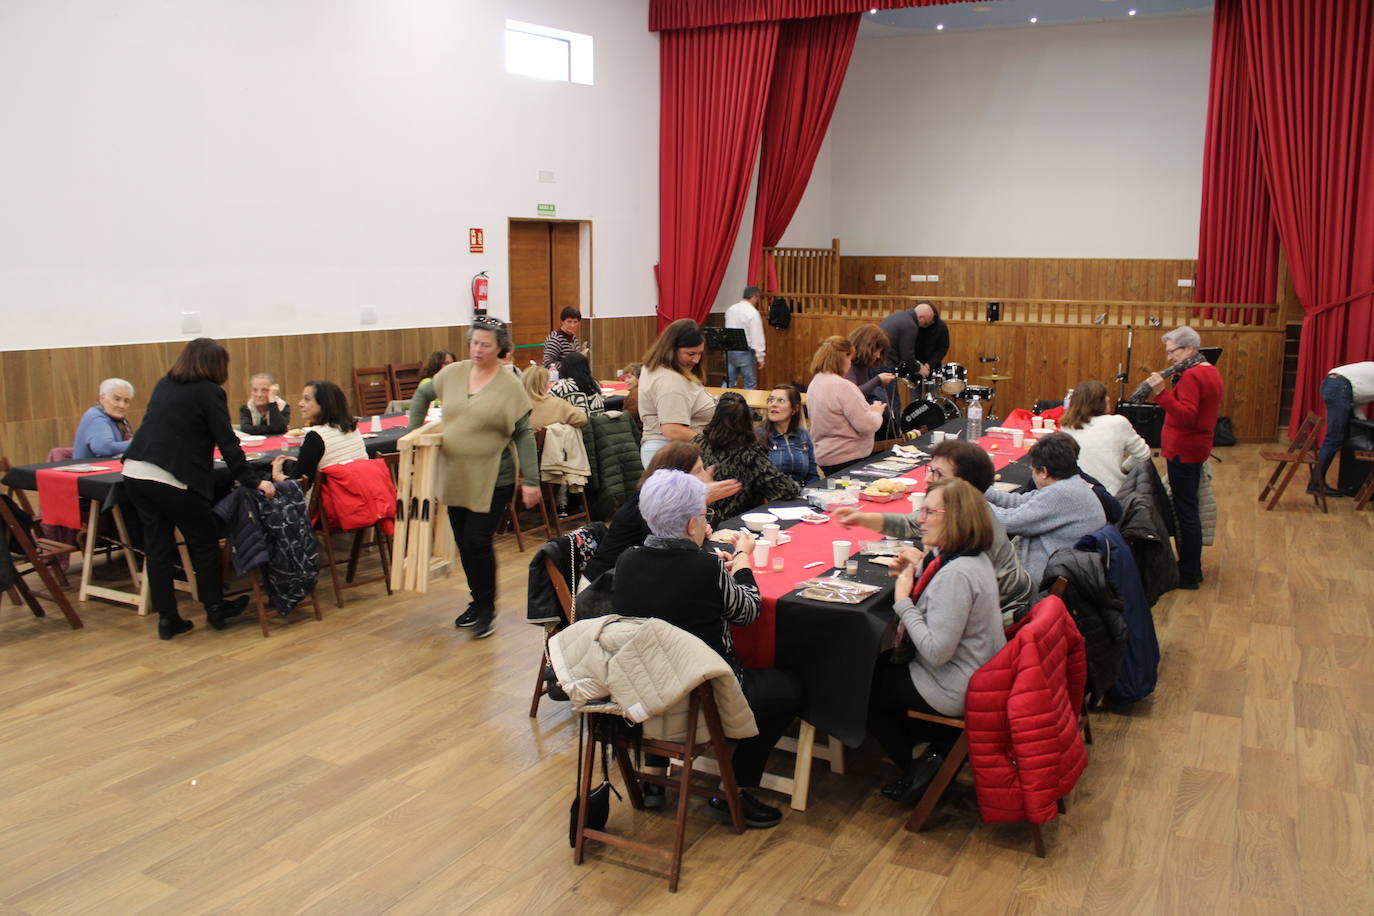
pixel 643 668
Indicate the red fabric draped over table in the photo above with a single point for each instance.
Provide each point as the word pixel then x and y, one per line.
pixel 1238 243
pixel 713 94
pixel 812 57
pixel 1310 70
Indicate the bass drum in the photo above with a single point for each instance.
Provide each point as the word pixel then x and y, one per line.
pixel 983 392
pixel 954 379
pixel 927 414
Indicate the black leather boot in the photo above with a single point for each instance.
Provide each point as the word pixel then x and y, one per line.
pixel 221 612
pixel 172 625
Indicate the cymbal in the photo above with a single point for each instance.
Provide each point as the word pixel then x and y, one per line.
pixel 995 378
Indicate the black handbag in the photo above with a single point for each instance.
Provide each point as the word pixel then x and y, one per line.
pixel 1224 435
pixel 598 799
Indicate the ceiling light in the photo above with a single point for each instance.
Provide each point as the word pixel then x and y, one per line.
pixel 1130 12
pixel 1034 19
pixel 873 12
pixel 940 28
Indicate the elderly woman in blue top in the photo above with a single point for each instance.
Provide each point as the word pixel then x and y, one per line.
pixel 105 430
pixel 785 437
pixel 1061 509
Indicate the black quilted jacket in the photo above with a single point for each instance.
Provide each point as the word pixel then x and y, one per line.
pixel 1098 610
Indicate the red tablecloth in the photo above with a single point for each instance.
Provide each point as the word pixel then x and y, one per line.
pixel 57 492
pixel 754 644
pixel 615 386
pixel 277 443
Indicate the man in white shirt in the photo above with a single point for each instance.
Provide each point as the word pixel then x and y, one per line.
pixel 1345 390
pixel 744 364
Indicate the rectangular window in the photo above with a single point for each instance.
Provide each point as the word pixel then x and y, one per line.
pixel 545 53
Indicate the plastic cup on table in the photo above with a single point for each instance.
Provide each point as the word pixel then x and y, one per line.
pixel 1017 437
pixel 1037 422
pixel 1049 424
pixel 777 564
pixel 770 534
pixel 761 554
pixel 840 551
pixel 937 436
pixel 917 500
pixel 851 567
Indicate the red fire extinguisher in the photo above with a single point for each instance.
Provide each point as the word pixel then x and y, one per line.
pixel 479 294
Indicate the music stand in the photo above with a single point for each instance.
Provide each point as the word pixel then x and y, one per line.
pixel 726 339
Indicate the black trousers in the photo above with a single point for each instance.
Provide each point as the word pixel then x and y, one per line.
pixel 163 510
pixel 775 697
pixel 1184 481
pixel 473 532
pixel 892 694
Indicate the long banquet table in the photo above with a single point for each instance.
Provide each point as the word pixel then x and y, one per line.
pixel 832 648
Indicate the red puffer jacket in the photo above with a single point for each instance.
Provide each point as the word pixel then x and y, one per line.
pixel 1022 718
pixel 357 494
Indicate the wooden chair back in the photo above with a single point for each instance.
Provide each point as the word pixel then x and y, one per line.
pixel 380 541
pixel 372 389
pixel 405 378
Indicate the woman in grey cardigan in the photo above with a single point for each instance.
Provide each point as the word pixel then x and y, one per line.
pixel 947 603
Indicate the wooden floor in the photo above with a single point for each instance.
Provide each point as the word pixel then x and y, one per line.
pixel 382 762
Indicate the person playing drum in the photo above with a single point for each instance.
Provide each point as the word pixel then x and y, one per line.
pixel 919 338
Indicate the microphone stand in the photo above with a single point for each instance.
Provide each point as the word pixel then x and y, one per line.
pixel 1126 372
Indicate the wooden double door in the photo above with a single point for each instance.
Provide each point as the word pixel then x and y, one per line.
pixel 545 278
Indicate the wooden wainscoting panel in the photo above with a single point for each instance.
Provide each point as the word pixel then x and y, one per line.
pixel 617 342
pixel 45 392
pixel 1112 279
pixel 1044 360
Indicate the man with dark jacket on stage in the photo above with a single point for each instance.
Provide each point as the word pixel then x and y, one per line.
pixel 917 337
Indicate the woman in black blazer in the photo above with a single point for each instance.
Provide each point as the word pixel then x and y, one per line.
pixel 169 476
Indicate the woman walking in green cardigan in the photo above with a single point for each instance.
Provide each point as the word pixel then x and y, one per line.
pixel 486 427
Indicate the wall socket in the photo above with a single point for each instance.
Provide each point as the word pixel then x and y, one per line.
pixel 880 278
pixel 932 278
pixel 918 278
pixel 1185 282
pixel 190 322
pixel 369 315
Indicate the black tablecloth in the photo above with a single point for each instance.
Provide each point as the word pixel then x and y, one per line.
pixel 832 648
pixel 108 489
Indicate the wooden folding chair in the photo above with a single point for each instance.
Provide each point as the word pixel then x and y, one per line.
pixel 701 702
pixel 404 378
pixel 549 497
pixel 260 601
pixel 372 388
pixel 1362 497
pixel 38 562
pixel 565 601
pixel 379 540
pixel 1301 452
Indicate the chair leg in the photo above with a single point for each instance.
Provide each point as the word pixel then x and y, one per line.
pixel 326 540
pixel 584 789
pixel 29 599
pixel 1283 485
pixel 258 601
pixel 938 785
pixel 1039 839
pixel 836 756
pixel 538 688
pixel 353 555
pixel 1063 808
pixel 515 526
pixel 684 791
pixel 13 592
pixel 384 555
pixel 628 774
pixel 1269 484
pixel 801 774
pixel 722 752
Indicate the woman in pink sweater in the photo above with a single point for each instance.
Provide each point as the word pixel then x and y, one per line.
pixel 842 420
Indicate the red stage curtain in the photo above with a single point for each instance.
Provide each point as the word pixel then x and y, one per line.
pixel 1311 65
pixel 813 55
pixel 1238 243
pixel 714 87
pixel 696 14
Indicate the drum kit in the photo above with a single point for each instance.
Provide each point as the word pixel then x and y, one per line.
pixel 935 398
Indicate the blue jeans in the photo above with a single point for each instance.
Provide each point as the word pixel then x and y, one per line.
pixel 1184 478
pixel 740 363
pixel 1339 401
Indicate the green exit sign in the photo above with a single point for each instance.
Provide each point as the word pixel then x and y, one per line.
pixel 546 209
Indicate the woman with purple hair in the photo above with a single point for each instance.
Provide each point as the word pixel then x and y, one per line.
pixel 672 578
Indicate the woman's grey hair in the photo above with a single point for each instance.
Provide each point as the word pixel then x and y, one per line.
pixel 1183 336
pixel 669 500
pixel 111 385
pixel 497 327
pixel 271 379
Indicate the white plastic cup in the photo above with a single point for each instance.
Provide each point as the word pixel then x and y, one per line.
pixel 1017 437
pixel 840 551
pixel 1037 422
pixel 761 548
pixel 770 534
pixel 376 424
pixel 777 564
pixel 937 436
pixel 917 500
pixel 1049 424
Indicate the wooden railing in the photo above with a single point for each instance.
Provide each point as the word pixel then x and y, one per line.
pixel 1069 312
pixel 814 270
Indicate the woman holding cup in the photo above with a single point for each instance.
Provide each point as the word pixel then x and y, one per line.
pixel 947 604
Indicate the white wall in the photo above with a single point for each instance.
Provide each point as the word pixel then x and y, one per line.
pixel 278 165
pixel 1069 141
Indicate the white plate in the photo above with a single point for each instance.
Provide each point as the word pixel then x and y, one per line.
pixel 821 519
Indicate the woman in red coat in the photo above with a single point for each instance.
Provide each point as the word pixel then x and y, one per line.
pixel 948 604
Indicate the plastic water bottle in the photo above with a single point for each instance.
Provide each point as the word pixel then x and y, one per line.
pixel 1067 398
pixel 553 374
pixel 973 431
